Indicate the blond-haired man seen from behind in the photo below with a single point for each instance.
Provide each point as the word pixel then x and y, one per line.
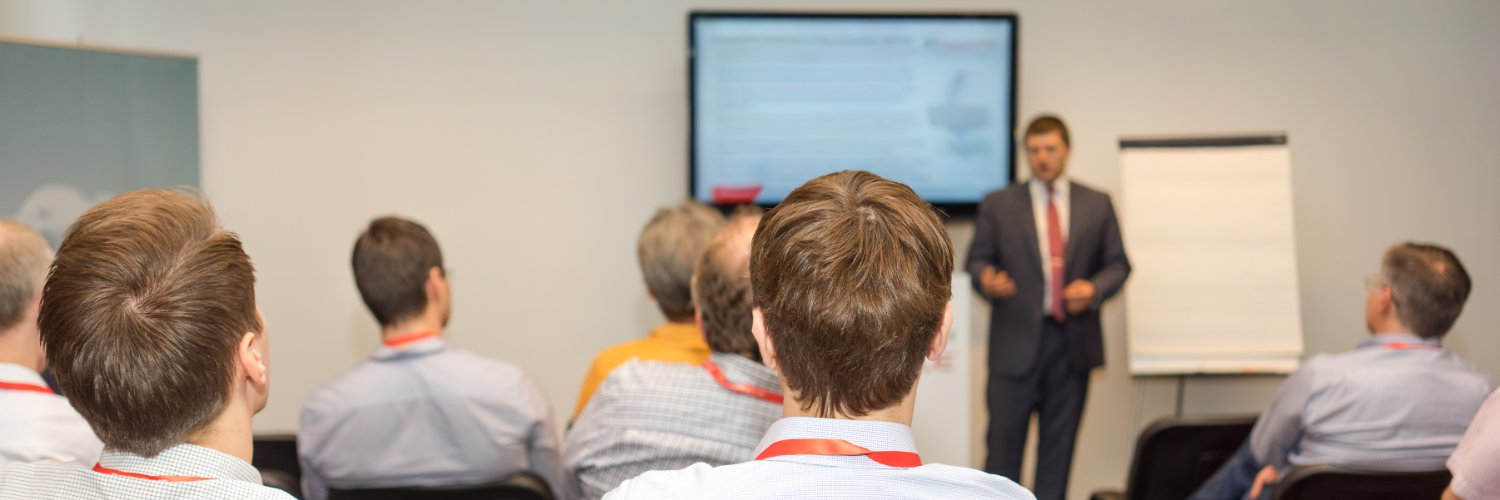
pixel 35 423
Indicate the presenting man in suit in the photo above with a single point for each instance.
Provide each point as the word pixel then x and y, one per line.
pixel 1046 254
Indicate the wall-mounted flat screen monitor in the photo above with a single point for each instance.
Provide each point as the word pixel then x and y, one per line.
pixel 778 99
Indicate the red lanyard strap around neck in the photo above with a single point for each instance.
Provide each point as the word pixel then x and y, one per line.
pixel 746 389
pixel 100 468
pixel 1402 346
pixel 25 387
pixel 409 338
pixel 839 448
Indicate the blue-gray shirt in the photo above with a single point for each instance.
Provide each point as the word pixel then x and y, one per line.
pixel 1396 402
pixel 425 414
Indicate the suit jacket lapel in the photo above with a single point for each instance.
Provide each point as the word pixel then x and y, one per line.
pixel 1070 250
pixel 1028 226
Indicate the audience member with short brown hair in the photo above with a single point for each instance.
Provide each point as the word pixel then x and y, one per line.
pixel 852 281
pixel 150 323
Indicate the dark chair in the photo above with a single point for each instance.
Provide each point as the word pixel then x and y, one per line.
pixel 1175 455
pixel 275 455
pixel 519 486
pixel 1328 482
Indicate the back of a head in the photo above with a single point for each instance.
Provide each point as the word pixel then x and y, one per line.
pixel 852 274
pixel 1429 284
pixel 721 286
pixel 391 262
pixel 669 246
pixel 142 316
pixel 24 257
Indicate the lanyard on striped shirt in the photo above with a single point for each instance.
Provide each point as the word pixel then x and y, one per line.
pixel 839 448
pixel 100 468
pixel 25 387
pixel 746 389
pixel 409 338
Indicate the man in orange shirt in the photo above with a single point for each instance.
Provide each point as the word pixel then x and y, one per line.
pixel 667 249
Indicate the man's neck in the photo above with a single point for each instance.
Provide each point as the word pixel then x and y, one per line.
pixel 18 348
pixel 899 413
pixel 427 323
pixel 231 433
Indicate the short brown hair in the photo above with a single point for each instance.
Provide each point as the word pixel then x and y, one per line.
pixel 1429 284
pixel 391 261
pixel 1046 124
pixel 852 275
pixel 142 316
pixel 668 247
pixel 721 286
pixel 24 256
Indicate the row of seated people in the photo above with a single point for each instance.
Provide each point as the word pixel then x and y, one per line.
pixel 804 387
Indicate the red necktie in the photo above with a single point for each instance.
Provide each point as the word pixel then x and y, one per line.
pixel 1055 251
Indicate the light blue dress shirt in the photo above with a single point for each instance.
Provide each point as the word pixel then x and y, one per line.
pixel 1396 402
pixel 425 414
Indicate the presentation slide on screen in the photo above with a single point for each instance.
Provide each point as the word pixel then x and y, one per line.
pixel 778 101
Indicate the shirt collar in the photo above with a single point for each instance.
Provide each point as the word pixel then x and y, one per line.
pixel 740 369
pixel 183 460
pixel 10 372
pixel 683 334
pixel 872 435
pixel 1398 338
pixel 1061 185
pixel 416 349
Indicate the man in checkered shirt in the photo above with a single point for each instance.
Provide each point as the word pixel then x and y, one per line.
pixel 149 320
pixel 652 415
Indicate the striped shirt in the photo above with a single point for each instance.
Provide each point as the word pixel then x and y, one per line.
pixel 425 414
pixel 651 415
pixel 1396 402
pixel 1476 463
pixel 798 477
pixel 36 425
pixel 128 476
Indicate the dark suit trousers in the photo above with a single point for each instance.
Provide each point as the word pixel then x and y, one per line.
pixel 1055 390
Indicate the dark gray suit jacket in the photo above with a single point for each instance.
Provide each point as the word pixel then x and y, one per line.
pixel 1005 236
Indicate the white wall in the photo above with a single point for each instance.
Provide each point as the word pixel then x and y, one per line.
pixel 535 138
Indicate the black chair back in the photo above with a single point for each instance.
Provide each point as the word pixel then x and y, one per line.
pixel 1176 455
pixel 1327 482
pixel 519 486
pixel 275 455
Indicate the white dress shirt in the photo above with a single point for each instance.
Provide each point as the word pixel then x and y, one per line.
pixel 133 477
pixel 40 426
pixel 1061 196
pixel 425 414
pixel 825 477
pixel 1476 463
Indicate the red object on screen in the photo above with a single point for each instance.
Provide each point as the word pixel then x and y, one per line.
pixel 734 195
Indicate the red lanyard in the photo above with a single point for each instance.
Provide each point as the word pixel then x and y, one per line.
pixel 25 387
pixel 746 389
pixel 839 448
pixel 1402 346
pixel 100 468
pixel 409 338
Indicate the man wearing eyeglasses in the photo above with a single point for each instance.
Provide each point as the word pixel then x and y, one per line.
pixel 1398 402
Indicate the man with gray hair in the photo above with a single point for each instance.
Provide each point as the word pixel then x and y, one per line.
pixel 650 415
pixel 667 249
pixel 36 423
pixel 1398 402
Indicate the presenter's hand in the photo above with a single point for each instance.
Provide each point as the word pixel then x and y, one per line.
pixel 1267 476
pixel 1077 296
pixel 997 284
